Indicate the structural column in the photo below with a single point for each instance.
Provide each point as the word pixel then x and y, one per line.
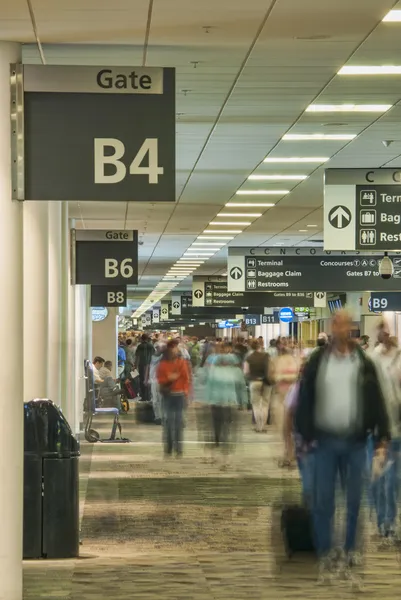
pixel 36 299
pixel 54 330
pixel 11 335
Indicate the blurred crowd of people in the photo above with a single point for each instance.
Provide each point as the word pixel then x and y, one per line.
pixel 336 407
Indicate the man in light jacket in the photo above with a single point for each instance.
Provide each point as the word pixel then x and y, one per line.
pixel 385 476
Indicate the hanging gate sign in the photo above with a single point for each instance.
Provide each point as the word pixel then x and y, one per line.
pixel 106 295
pixel 93 133
pixel 104 257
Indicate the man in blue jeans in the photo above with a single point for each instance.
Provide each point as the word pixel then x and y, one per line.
pixel 340 403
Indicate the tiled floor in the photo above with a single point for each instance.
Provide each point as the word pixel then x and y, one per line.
pixel 184 529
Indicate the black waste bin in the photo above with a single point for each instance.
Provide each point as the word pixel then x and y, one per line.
pixel 51 483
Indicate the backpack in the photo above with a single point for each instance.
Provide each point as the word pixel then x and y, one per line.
pixel 194 353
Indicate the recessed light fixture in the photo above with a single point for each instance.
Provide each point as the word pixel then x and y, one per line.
pixel 252 204
pixel 371 70
pixel 311 225
pixel 303 231
pixel 250 215
pixel 394 16
pixel 297 159
pixel 319 108
pixel 198 253
pixel 244 223
pixel 278 177
pixel 223 231
pixel 262 192
pixel 318 136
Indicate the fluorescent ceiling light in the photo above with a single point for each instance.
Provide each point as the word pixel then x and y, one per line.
pixel 319 108
pixel 244 223
pixel 303 231
pixel 217 244
pixel 371 70
pixel 298 159
pixel 250 215
pixel 223 231
pixel 278 177
pixel 318 136
pixel 262 192
pixel 394 16
pixel 311 225
pixel 195 253
pixel 243 204
pixel 214 237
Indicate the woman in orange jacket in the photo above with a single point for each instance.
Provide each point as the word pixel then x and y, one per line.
pixel 174 381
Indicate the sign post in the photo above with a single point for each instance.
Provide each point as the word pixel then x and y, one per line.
pixel 362 209
pixel 104 257
pixel 94 133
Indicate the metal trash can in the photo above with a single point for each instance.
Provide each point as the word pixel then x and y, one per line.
pixel 51 483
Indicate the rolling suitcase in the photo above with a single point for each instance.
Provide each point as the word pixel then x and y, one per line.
pixel 297 529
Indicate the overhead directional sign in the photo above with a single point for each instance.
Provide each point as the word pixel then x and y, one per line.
pixel 320 300
pixel 186 300
pixel 104 257
pixel 156 315
pixel 362 209
pixel 383 301
pixel 164 311
pixel 94 133
pixel 103 295
pixel 304 269
pixel 213 291
pixel 176 304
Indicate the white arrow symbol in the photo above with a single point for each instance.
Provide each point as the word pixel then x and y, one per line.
pixel 236 273
pixel 340 214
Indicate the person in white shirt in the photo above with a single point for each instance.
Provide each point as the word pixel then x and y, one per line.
pixel 97 364
pixel 385 480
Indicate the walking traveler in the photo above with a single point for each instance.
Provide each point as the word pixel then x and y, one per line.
pixel 340 402
pixel 385 489
pixel 256 369
pixel 143 358
pixel 225 392
pixel 174 382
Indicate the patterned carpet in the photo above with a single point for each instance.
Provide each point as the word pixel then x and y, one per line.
pixel 183 529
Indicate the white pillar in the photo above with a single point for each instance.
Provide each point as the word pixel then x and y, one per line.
pixel 105 336
pixel 81 337
pixel 36 299
pixel 65 315
pixel 11 334
pixel 54 374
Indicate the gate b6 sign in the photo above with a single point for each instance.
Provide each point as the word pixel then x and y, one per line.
pixel 105 258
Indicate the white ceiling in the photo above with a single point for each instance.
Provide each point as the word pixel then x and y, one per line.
pixel 242 83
